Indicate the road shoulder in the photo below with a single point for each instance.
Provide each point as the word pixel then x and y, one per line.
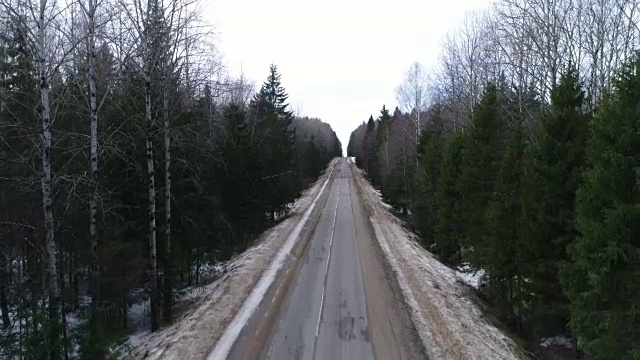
pixel 392 332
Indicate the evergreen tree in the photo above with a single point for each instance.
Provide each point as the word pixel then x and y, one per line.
pixel 277 141
pixel 449 226
pixel 369 142
pixel 601 278
pixel 557 168
pixel 481 162
pixel 430 156
pixel 350 146
pixel 381 149
pixel 504 245
pixel 241 200
pixel 312 160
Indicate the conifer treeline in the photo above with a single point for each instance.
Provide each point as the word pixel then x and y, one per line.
pixel 552 219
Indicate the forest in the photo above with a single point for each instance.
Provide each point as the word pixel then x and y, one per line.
pixel 129 161
pixel 518 155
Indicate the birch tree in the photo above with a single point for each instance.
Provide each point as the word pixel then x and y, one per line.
pixel 412 95
pixel 49 45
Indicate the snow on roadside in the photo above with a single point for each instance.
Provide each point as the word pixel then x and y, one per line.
pixel 194 334
pixel 470 276
pixel 449 323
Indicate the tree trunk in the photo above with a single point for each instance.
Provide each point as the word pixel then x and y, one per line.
pixel 168 271
pixel 153 255
pixel 51 273
pixel 94 282
pixel 210 113
pixel 4 282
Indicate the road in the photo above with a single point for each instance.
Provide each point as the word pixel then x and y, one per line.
pixel 336 299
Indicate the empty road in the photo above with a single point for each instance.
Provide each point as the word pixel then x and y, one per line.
pixel 335 299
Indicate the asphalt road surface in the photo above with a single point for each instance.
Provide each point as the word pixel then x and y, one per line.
pixel 336 298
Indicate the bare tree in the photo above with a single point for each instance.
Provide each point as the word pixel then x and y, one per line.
pixel 412 95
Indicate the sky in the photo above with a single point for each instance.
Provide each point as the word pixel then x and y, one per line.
pixel 340 60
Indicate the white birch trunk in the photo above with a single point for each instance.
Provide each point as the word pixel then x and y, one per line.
pixel 51 272
pixel 153 254
pixel 168 273
pixel 167 172
pixel 93 163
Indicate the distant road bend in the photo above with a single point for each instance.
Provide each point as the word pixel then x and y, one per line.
pixel 334 298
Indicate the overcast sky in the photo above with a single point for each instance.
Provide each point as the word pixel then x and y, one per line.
pixel 340 60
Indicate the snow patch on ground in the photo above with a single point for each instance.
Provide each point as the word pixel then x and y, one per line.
pixel 448 321
pixel 559 340
pixel 193 335
pixel 210 271
pixel 378 194
pixel 470 276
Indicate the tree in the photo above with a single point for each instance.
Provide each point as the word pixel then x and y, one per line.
pixel 413 97
pixel 241 197
pixel 505 245
pixel 600 279
pixel 449 197
pixel 277 138
pixel 557 167
pixel 430 158
pixel 44 42
pixel 381 149
pixel 368 148
pixel 481 163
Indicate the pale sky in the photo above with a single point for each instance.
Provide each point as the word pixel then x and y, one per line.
pixel 340 60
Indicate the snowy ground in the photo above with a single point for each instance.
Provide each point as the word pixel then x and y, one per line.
pixel 214 305
pixel 470 276
pixel 449 323
pixel 559 340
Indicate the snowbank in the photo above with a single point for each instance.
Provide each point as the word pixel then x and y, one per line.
pixel 470 276
pixel 449 323
pixel 194 334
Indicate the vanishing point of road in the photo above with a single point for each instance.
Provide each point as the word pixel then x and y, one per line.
pixel 335 298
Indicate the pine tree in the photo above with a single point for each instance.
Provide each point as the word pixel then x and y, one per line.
pixel 557 168
pixel 601 278
pixel 449 226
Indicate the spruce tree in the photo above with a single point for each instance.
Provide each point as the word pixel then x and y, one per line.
pixel 430 156
pixel 449 226
pixel 368 148
pixel 240 193
pixel 504 245
pixel 381 149
pixel 602 277
pixel 482 155
pixel 557 167
pixel 274 124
